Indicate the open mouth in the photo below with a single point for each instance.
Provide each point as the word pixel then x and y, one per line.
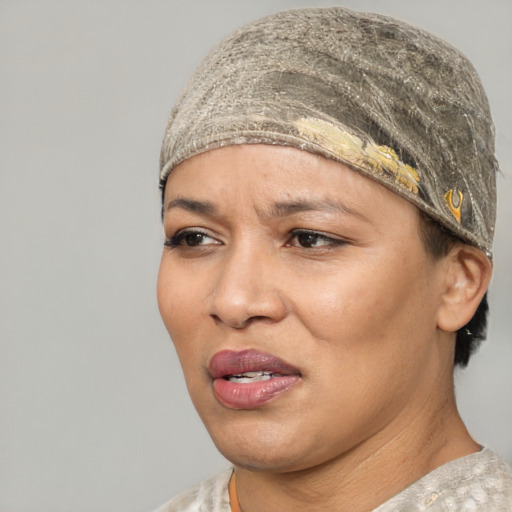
pixel 244 378
pixel 248 364
pixel 248 379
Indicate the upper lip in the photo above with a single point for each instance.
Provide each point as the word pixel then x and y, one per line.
pixel 232 362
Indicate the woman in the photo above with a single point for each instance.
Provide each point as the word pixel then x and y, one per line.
pixel 328 185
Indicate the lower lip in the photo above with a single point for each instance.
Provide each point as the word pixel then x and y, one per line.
pixel 251 395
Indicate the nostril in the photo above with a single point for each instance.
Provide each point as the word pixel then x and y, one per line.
pixel 235 323
pixel 240 325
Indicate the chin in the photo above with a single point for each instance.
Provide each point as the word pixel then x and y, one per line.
pixel 261 459
pixel 263 447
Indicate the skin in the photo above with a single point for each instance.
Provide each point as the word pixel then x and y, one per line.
pixel 358 306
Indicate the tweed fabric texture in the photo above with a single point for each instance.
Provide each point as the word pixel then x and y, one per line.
pixel 387 99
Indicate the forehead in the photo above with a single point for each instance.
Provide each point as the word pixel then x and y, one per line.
pixel 263 174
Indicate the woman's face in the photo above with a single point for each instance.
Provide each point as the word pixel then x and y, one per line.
pixel 301 303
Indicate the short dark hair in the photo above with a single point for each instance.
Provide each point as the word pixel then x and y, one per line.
pixel 438 241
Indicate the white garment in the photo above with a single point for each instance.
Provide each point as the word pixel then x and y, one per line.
pixel 479 482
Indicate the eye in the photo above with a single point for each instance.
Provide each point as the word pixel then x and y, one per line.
pixel 190 238
pixel 312 239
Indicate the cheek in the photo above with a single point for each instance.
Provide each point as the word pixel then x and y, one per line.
pixel 372 305
pixel 178 304
pixel 368 344
pixel 340 309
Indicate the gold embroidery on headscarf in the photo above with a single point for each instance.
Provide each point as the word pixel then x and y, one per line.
pixel 368 155
pixel 454 199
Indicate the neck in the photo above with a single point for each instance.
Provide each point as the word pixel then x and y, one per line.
pixel 370 473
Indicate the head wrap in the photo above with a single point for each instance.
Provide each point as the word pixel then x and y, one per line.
pixel 389 100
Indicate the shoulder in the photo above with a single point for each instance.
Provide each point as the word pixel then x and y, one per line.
pixel 210 495
pixel 479 482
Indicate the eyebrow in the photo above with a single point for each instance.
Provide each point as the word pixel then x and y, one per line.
pixel 278 209
pixel 192 205
pixel 285 208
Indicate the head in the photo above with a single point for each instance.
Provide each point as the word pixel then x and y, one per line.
pixel 284 262
pixel 328 189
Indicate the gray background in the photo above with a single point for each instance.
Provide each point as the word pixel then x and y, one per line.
pixel 93 412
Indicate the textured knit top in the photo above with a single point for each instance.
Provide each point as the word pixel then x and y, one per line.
pixel 479 482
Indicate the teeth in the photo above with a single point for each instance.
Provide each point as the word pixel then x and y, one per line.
pixel 243 378
pixel 251 374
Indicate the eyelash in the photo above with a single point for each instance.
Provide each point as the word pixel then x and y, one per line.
pixel 180 239
pixel 316 235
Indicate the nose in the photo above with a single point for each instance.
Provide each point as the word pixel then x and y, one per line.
pixel 247 289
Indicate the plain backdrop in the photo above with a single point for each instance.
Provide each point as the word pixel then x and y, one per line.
pixel 94 415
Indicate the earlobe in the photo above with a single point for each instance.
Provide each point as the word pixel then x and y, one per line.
pixel 468 272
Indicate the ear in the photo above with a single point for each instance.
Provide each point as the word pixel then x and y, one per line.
pixel 468 272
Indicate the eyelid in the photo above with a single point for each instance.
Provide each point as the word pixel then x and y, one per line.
pixel 175 239
pixel 328 237
pixel 314 232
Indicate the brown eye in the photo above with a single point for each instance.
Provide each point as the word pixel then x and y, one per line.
pixel 193 239
pixel 308 239
pixel 313 240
